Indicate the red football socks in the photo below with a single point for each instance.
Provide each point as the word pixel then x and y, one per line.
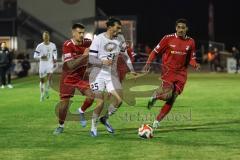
pixel 86 104
pixel 164 111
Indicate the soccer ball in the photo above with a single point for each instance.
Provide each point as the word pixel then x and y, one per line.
pixel 145 131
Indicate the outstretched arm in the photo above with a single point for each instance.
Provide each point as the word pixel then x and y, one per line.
pixel 162 45
pixel 151 57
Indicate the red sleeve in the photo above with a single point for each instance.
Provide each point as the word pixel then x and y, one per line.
pixel 151 57
pixel 87 42
pixel 130 53
pixel 159 49
pixel 162 45
pixel 193 55
pixel 67 51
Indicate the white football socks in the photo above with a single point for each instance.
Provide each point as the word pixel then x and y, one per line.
pixel 94 121
pixel 80 110
pixel 42 86
pixel 111 109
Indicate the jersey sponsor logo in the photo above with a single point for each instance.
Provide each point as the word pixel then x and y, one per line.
pixel 178 52
pixel 109 47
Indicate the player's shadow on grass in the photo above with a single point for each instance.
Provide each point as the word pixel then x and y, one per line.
pixel 210 125
pixel 175 128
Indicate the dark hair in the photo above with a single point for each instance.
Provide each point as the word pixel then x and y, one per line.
pixel 111 21
pixel 78 25
pixel 182 20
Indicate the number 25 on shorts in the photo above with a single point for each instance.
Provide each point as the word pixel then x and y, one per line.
pixel 94 86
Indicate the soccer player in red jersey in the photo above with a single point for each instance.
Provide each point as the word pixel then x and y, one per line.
pixel 122 67
pixel 178 51
pixel 74 76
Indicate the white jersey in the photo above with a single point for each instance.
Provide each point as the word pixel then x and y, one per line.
pixel 104 48
pixel 46 65
pixel 104 76
pixel 46 50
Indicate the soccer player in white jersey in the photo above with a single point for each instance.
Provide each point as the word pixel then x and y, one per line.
pixel 103 56
pixel 46 53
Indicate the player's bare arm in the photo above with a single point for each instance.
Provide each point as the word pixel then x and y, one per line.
pixel 147 66
pixel 82 60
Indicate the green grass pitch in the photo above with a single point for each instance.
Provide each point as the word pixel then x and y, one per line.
pixel 203 124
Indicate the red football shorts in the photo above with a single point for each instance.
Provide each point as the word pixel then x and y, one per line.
pixel 68 85
pixel 176 79
pixel 122 73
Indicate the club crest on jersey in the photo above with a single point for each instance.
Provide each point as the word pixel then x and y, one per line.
pixel 109 47
pixel 187 48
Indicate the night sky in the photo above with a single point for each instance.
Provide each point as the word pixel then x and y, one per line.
pixel 157 18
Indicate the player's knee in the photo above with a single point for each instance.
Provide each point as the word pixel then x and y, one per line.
pixel 164 93
pixel 64 104
pixel 90 99
pixel 169 96
pixel 164 96
pixel 172 99
pixel 89 94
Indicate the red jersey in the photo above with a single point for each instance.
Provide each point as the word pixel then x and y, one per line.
pixel 73 51
pixel 121 64
pixel 177 52
pixel 122 67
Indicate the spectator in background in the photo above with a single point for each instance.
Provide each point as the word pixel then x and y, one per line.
pixel 217 60
pixel 10 67
pixel 25 66
pixel 18 64
pixel 211 57
pixel 22 66
pixel 3 64
pixel 148 49
pixel 137 58
pixel 236 55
